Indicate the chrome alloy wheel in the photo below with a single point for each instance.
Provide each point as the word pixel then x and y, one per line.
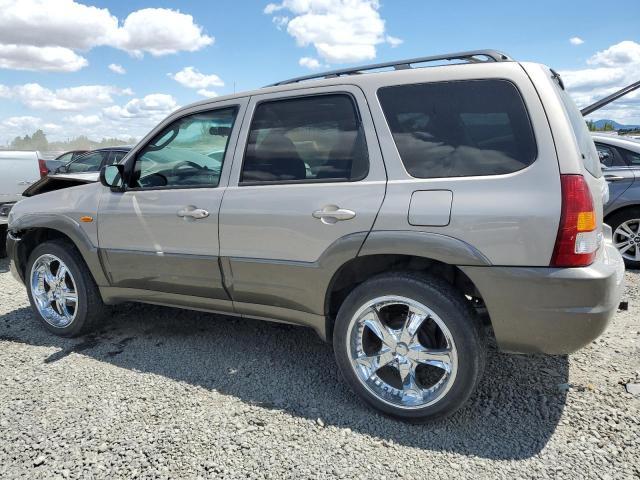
pixel 626 238
pixel 54 290
pixel 402 352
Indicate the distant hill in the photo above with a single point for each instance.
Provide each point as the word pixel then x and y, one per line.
pixel 616 126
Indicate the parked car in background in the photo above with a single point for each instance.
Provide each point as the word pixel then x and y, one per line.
pixel 620 159
pixel 63 159
pixel 83 169
pixel 18 170
pixel 384 209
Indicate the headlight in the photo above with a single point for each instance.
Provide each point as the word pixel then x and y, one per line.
pixel 5 208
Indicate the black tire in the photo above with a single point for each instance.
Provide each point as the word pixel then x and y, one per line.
pixel 3 241
pixel 455 312
pixel 90 308
pixel 619 218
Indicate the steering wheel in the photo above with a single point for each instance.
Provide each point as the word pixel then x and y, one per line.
pixel 186 163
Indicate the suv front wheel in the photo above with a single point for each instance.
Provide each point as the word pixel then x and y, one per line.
pixel 61 290
pixel 409 345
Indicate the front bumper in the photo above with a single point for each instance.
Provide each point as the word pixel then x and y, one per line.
pixel 551 310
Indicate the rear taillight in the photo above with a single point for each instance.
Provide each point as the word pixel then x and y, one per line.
pixel 577 239
pixel 42 165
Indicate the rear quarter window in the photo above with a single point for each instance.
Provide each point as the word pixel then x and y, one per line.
pixel 588 152
pixel 459 128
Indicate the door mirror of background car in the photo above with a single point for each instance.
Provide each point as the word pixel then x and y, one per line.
pixel 111 176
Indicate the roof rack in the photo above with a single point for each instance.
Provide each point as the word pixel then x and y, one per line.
pixel 474 56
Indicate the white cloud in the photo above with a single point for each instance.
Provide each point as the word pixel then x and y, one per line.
pixel 155 105
pixel 576 41
pixel 190 77
pixel 341 31
pixel 394 41
pixel 48 59
pixel 621 54
pixel 35 96
pixel 309 62
pixel 611 69
pixel 83 120
pixel 46 34
pixel 114 67
pixel 207 93
pixel 160 31
pixel 25 122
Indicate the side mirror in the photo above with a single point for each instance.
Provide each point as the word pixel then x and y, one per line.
pixel 112 176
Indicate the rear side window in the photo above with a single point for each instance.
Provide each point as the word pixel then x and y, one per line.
pixel 90 162
pixel 459 129
pixel 588 152
pixel 305 139
pixel 633 158
pixel 609 157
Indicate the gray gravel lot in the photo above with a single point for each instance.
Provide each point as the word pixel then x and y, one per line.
pixel 164 393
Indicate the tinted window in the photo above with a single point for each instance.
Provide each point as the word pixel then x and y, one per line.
pixel 633 158
pixel 66 157
pixel 457 129
pixel 317 138
pixel 188 153
pixel 609 157
pixel 90 162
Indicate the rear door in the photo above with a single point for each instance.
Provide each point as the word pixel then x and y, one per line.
pixel 307 174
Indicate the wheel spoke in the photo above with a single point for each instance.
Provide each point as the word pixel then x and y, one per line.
pixel 627 247
pixel 70 297
pixel 372 363
pixel 440 358
pixel 371 319
pixel 625 230
pixel 411 326
pixel 61 273
pixel 411 389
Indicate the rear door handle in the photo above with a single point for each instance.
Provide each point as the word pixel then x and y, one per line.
pixel 190 212
pixel 613 178
pixel 332 213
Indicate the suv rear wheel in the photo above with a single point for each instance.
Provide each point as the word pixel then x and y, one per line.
pixel 409 345
pixel 626 235
pixel 61 290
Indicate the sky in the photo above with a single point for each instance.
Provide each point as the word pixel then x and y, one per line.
pixel 115 69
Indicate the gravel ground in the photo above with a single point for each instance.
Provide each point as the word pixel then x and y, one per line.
pixel 163 393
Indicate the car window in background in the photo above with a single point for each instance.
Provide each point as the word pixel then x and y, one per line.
pixel 609 157
pixel 116 157
pixel 632 158
pixel 188 153
pixel 67 157
pixel 459 128
pixel 316 138
pixel 90 162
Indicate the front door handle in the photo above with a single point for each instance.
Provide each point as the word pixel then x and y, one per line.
pixel 613 178
pixel 192 212
pixel 331 214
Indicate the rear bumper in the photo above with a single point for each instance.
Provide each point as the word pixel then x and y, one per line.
pixel 551 310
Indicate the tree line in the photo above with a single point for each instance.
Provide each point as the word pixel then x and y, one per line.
pixel 38 141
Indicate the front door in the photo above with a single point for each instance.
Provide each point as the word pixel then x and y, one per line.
pixel 161 234
pixel 307 182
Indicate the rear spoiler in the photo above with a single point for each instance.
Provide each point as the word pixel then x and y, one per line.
pixel 607 100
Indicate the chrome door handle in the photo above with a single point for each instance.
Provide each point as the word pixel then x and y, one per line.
pixel 196 213
pixel 332 213
pixel 613 178
pixel 24 182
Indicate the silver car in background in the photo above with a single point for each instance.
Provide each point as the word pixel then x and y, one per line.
pixel 620 161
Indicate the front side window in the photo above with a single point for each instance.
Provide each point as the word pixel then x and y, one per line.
pixel 90 162
pixel 188 153
pixel 608 156
pixel 307 139
pixel 459 129
pixel 633 158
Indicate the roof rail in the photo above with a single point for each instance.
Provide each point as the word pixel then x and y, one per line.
pixel 474 56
